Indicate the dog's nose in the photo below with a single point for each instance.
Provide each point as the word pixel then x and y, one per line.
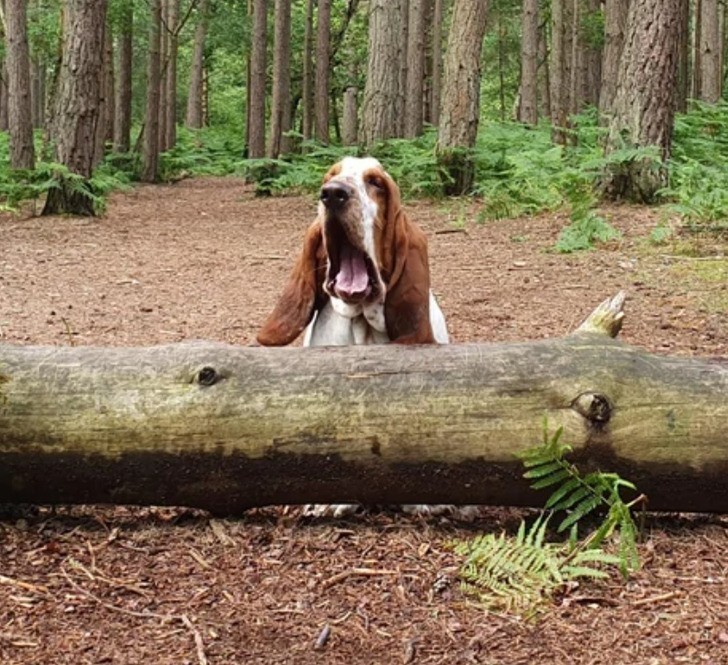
pixel 334 195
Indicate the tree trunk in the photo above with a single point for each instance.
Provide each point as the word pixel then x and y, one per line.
pixel 105 125
pixel 404 8
pixel 170 97
pixel 697 41
pixel 349 131
pixel 308 74
pixel 20 111
pixel 151 116
pixel 683 69
pixel 163 73
pixel 379 117
pixel 37 89
pixel 256 129
pixel 281 78
pixel 561 67
pixel 528 107
pixel 227 428
pixel 4 122
pixel 436 86
pixel 321 98
pixel 193 119
pixel 460 110
pixel 77 109
pixel 644 106
pixel 615 27
pixel 122 120
pixel 544 80
pixel 413 114
pixel 710 48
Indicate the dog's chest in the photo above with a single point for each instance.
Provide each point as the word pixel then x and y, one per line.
pixel 339 324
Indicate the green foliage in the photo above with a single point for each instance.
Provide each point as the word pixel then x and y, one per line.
pixel 524 572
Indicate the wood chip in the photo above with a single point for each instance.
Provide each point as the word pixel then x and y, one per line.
pixel 323 638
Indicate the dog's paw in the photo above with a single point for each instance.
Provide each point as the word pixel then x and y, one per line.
pixel 335 510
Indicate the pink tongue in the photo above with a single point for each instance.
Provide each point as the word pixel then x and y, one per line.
pixel 353 276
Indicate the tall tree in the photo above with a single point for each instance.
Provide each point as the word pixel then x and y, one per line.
pixel 544 80
pixel 105 124
pixel 436 85
pixel 403 64
pixel 4 97
pixel 644 105
pixel 561 66
pixel 280 105
pixel 413 107
pixel 379 113
pixel 163 73
pixel 615 26
pixel 122 119
pixel 321 98
pixel 308 73
pixel 194 118
pixel 256 109
pixel 460 111
pixel 528 107
pixel 150 159
pixel 20 118
pixel 170 96
pixel 710 52
pixel 77 108
pixel 697 41
pixel 683 69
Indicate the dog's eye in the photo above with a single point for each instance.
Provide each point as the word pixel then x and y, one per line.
pixel 375 181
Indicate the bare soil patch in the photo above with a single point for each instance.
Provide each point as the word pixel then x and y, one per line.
pixel 205 259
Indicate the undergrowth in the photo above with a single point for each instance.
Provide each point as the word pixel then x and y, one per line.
pixel 522 573
pixel 519 171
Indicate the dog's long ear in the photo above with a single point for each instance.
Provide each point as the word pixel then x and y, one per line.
pixel 302 294
pixel 407 305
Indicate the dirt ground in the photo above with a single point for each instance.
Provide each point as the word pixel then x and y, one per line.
pixel 204 259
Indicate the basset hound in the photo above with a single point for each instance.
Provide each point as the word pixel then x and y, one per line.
pixel 363 275
pixel 362 278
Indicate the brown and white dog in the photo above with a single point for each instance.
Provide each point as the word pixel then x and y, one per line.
pixel 363 275
pixel 362 278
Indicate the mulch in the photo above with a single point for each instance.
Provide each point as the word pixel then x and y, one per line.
pixel 205 259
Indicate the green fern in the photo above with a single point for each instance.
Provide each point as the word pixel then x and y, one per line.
pixel 524 572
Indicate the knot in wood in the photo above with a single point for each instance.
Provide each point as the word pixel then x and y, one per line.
pixel 595 407
pixel 207 376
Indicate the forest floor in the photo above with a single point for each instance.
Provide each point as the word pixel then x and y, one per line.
pixel 205 259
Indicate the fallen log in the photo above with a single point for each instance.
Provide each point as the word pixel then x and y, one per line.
pixel 226 428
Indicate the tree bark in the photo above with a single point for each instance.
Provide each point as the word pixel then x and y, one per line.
pixel 105 125
pixel 163 73
pixel 227 428
pixel 308 74
pixel 528 107
pixel 281 78
pixel 256 128
pixel 436 86
pixel 697 41
pixel 37 87
pixel 644 107
pixel 321 98
pixel 544 80
pixel 683 70
pixel 170 97
pixel 151 117
pixel 710 48
pixel 460 112
pixel 413 111
pixel 349 128
pixel 4 122
pixel 194 116
pixel 615 27
pixel 379 116
pixel 403 64
pixel 77 109
pixel 561 67
pixel 122 120
pixel 20 115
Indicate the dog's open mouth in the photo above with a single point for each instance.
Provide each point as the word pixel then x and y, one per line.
pixel 352 274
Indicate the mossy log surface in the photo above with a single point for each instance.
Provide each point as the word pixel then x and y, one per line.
pixel 226 428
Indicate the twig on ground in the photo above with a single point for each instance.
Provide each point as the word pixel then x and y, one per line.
pixel 323 637
pixel 655 599
pixel 36 588
pixel 199 644
pixel 362 572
